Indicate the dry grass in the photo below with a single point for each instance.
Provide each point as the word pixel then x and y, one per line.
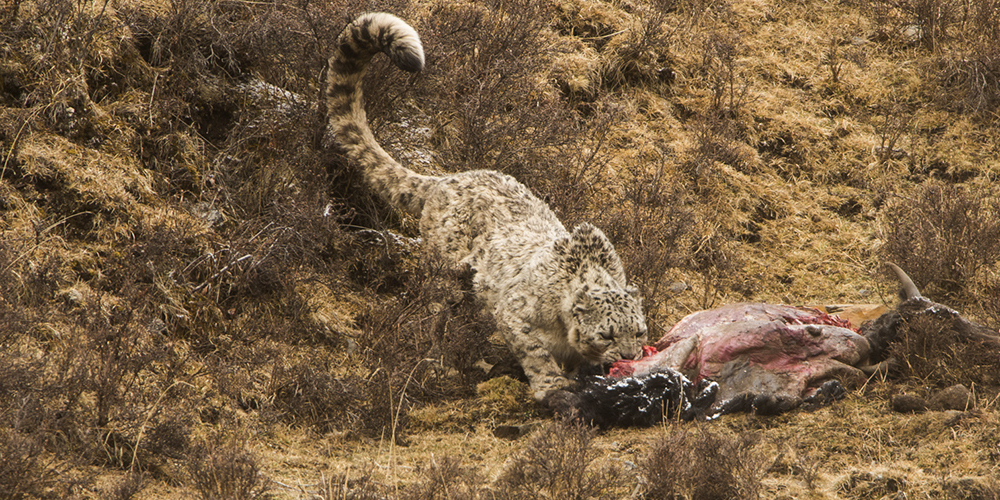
pixel 944 233
pixel 701 464
pixel 226 471
pixel 559 461
pixel 182 259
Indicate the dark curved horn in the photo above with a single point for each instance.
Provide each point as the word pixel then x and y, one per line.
pixel 908 287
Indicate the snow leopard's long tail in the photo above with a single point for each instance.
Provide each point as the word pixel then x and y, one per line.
pixel 366 36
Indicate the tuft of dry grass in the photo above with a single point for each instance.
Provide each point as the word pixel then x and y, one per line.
pixel 559 461
pixel 340 486
pixel 943 235
pixel 226 471
pixel 446 478
pixel 703 464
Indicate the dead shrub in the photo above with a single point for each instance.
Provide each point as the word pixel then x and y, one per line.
pixel 310 395
pixel 963 38
pixel 239 280
pixel 418 346
pixel 707 171
pixel 226 471
pixel 168 438
pixel 717 143
pixel 894 121
pixel 700 464
pixel 241 87
pixel 487 108
pixel 86 399
pixel 651 230
pixel 923 22
pixel 126 488
pixel 436 322
pixel 970 80
pixel 445 478
pixel 560 462
pixel 720 68
pixel 120 353
pixel 376 405
pixel 943 235
pixel 24 471
pixel 969 71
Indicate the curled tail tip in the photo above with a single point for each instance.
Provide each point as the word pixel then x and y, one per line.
pixel 390 34
pixel 409 60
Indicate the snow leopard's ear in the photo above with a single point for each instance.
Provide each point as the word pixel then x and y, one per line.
pixel 582 301
pixel 588 245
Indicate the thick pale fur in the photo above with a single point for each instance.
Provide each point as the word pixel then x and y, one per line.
pixel 560 298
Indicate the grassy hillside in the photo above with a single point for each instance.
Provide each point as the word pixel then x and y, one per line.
pixel 198 299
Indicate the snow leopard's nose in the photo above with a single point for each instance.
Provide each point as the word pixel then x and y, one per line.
pixel 632 352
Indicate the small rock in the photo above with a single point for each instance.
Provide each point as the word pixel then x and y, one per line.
pixel 157 327
pixel 907 403
pixel 78 295
pixel 912 33
pixel 210 214
pixel 952 417
pixel 512 432
pixel 956 397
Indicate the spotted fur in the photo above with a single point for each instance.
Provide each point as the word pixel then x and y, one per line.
pixel 560 299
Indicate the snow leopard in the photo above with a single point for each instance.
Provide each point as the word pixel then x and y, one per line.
pixel 560 298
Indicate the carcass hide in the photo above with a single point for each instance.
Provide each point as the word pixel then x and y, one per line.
pixel 763 358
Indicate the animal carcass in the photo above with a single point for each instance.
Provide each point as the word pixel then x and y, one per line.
pixel 756 357
pixel 763 358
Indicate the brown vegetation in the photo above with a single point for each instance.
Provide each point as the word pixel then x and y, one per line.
pixel 199 299
pixel 701 464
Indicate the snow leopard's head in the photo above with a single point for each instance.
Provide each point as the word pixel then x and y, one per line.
pixel 607 325
pixel 603 315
